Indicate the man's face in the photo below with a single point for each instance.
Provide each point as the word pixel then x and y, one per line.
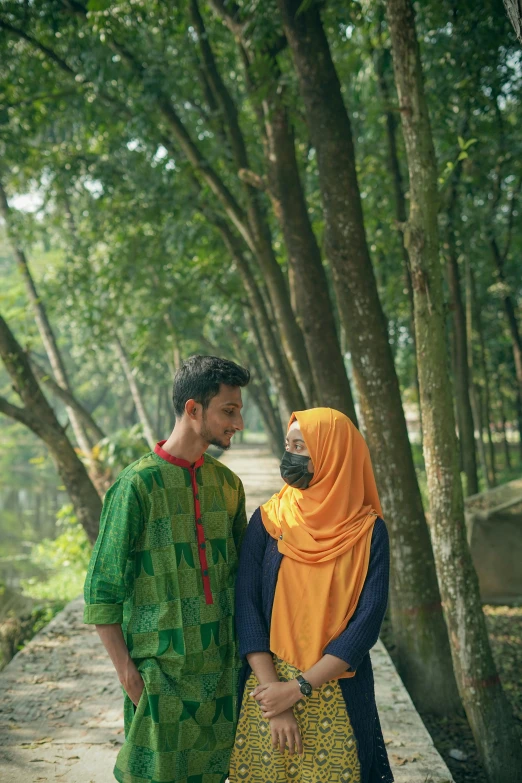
pixel 222 419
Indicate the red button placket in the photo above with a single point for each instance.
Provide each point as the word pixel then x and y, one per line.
pixel 200 535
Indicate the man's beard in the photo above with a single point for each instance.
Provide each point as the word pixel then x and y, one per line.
pixel 210 438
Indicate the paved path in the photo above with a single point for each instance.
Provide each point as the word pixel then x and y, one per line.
pixel 60 701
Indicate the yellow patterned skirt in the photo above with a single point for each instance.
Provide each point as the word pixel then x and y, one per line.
pixel 330 750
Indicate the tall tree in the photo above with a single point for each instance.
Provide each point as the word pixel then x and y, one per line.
pixel 83 436
pixel 485 703
pixel 38 416
pixel 171 129
pixel 418 624
pixel 283 184
pixel 465 422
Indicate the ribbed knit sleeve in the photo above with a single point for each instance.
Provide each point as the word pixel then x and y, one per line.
pixel 362 631
pixel 253 633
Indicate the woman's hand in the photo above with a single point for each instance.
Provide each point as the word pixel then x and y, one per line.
pixel 276 697
pixel 285 732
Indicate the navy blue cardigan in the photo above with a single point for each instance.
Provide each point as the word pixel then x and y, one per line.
pixel 255 589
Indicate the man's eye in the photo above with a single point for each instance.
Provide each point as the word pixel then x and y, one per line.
pixel 229 413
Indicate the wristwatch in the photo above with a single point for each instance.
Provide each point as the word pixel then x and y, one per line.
pixel 304 685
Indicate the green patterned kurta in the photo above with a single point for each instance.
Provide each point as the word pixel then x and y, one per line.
pixel 145 572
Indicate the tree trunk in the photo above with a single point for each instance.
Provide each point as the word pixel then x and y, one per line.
pixel 486 706
pixel 270 416
pixel 503 427
pixel 259 384
pixel 308 285
pixel 38 416
pixel 143 416
pixel 510 310
pixel 259 388
pixel 382 62
pixel 519 421
pixel 477 317
pixel 313 305
pixel 290 393
pixel 474 391
pixel 83 414
pixel 418 624
pixel 98 476
pixel 460 353
pixel 514 11
pixel 259 229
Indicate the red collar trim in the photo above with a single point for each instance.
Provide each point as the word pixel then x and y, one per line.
pixel 181 463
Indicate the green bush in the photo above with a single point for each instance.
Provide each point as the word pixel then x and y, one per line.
pixel 64 559
pixel 121 447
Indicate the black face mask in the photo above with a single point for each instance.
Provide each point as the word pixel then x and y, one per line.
pixel 294 470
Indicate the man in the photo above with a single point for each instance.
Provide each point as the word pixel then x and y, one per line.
pixel 160 586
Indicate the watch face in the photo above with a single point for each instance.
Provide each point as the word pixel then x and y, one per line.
pixel 306 689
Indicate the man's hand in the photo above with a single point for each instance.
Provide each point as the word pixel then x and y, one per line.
pixel 129 676
pixel 285 732
pixel 132 681
pixel 276 697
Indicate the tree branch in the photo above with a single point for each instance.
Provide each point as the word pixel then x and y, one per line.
pixel 253 179
pixel 514 11
pixel 14 412
pixel 69 399
pixel 49 53
pixel 230 19
pixel 514 196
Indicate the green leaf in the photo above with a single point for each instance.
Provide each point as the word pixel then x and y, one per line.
pixel 98 5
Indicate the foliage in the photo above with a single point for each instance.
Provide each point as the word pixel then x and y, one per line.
pixel 65 558
pixel 121 447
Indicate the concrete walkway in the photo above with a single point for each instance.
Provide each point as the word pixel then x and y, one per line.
pixel 60 700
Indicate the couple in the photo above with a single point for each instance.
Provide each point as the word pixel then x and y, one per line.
pixel 243 650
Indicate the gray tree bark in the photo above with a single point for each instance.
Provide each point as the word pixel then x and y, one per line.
pixel 486 706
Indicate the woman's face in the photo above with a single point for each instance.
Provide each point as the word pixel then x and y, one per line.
pixel 294 443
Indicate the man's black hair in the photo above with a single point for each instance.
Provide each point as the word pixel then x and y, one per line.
pixel 200 377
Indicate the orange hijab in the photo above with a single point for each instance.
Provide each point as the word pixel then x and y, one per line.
pixel 325 533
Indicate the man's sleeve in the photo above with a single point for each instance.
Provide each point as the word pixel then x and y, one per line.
pixel 120 525
pixel 240 520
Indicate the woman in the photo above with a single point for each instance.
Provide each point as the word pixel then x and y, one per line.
pixel 310 598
